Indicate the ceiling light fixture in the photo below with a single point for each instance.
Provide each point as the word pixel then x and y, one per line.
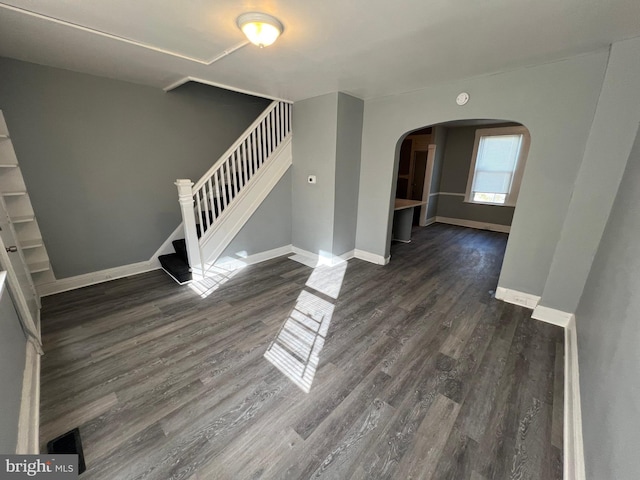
pixel 261 29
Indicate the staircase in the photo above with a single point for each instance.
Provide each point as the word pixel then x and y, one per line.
pixel 215 208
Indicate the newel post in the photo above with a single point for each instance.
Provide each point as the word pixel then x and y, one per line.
pixel 185 199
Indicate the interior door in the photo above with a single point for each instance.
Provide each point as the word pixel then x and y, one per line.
pixel 21 286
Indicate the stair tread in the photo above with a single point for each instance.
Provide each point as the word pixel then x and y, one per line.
pixel 174 261
pixel 180 246
pixel 176 266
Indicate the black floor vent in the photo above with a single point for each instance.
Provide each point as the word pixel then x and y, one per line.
pixel 68 443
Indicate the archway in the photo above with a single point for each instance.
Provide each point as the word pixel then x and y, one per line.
pixel 463 172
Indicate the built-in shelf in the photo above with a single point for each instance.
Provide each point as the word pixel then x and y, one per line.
pixel 22 228
pixel 27 244
pixel 38 267
pixel 22 218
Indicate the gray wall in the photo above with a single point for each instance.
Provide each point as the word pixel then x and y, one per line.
pixel 458 152
pixel 12 358
pixel 314 151
pixel 607 150
pixel 326 143
pixel 555 101
pixel 100 156
pixel 348 151
pixel 608 329
pixel 270 225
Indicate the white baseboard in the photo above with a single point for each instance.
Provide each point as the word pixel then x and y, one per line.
pixel 313 259
pixel 29 418
pixel 494 227
pixel 574 468
pixel 371 257
pixel 573 445
pixel 527 300
pixel 267 255
pixel 551 315
pixel 72 283
pixel 93 278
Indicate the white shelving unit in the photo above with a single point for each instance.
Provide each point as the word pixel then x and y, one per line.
pixel 14 200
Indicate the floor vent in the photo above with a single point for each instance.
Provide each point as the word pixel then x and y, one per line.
pixel 68 443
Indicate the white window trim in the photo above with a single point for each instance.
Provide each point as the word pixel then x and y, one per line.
pixel 512 197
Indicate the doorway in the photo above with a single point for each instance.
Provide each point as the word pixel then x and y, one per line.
pixel 464 173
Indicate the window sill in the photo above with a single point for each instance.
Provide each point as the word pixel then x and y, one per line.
pixel 512 205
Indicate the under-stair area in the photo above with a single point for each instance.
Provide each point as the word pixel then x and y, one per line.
pixel 217 206
pixel 177 264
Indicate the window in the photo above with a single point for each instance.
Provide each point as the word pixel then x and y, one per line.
pixel 499 155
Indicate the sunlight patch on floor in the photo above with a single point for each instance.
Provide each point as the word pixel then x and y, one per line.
pixel 217 275
pixel 296 349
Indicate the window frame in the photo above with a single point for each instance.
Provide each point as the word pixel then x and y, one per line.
pixel 512 196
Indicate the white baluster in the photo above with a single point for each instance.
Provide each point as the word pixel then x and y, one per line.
pixel 276 128
pixel 280 123
pixel 260 141
pixel 245 170
pixel 276 118
pixel 252 153
pixel 216 211
pixel 203 227
pixel 223 186
pixel 229 189
pixel 268 132
pixel 235 174
pixel 211 201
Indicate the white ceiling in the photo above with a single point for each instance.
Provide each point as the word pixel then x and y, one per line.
pixel 368 48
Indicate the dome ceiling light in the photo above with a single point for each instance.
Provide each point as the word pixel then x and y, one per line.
pixel 261 29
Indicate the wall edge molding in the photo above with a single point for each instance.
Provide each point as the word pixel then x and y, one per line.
pixel 494 227
pixel 552 316
pixel 573 443
pixel 177 83
pixel 28 442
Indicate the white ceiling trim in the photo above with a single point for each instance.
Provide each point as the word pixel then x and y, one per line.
pixel 124 39
pixel 184 80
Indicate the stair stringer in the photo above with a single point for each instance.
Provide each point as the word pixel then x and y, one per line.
pixel 219 236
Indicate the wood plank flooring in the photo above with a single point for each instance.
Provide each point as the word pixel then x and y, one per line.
pixel 416 371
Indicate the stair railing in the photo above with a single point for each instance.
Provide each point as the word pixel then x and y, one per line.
pixel 204 203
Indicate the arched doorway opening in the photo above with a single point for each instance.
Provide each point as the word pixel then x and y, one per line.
pixel 463 172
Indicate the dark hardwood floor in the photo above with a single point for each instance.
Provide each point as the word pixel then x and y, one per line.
pixel 414 371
